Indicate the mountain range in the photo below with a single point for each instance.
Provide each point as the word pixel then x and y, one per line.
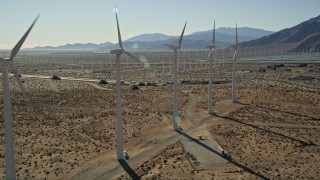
pixel 302 37
pixel 151 42
pixel 76 46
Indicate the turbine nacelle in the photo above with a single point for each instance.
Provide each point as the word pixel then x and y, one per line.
pixel 177 47
pixel 5 62
pixel 172 47
pixel 120 51
pixel 211 47
pixel 117 51
pixel 235 47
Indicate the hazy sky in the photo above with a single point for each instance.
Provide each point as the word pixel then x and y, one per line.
pixel 83 21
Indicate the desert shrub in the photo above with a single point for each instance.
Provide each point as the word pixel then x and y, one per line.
pixel 185 82
pixel 278 65
pixel 151 84
pixel 18 75
pixel 262 70
pixel 102 81
pixel 135 87
pixel 303 65
pixel 55 77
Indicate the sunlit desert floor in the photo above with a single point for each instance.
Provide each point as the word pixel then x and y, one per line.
pixel 67 128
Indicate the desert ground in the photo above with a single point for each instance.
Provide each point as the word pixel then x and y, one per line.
pixel 66 128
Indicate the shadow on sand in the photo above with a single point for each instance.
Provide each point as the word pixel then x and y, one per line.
pixel 128 169
pixel 302 143
pixel 219 154
pixel 292 113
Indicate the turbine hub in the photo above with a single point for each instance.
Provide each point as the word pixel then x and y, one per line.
pixel 116 51
pixel 211 47
pixel 5 62
pixel 172 47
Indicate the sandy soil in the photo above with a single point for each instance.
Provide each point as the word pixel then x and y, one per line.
pixel 70 125
pixel 274 152
pixel 174 163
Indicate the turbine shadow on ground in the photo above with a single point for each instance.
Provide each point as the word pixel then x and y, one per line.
pixel 219 154
pixel 301 142
pixel 292 113
pixel 128 169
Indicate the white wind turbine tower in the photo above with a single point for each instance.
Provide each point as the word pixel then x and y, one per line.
pixel 119 123
pixel 9 143
pixel 175 49
pixel 211 48
pixel 235 48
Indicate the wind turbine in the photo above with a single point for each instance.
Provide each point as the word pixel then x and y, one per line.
pixel 119 122
pixel 5 63
pixel 175 49
pixel 211 48
pixel 235 48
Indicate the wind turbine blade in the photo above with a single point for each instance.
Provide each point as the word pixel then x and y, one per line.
pixel 236 36
pixel 16 74
pixel 132 56
pixel 210 53
pixel 172 46
pixel 168 45
pixel 234 54
pixel 119 34
pixel 214 34
pixel 180 40
pixel 144 62
pixel 17 47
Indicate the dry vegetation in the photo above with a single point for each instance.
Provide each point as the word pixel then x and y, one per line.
pixel 72 123
pixel 69 123
pixel 284 152
pixel 174 163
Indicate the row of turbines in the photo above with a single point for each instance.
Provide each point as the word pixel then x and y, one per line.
pixel 6 62
pixel 176 49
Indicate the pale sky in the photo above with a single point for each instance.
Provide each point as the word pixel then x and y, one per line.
pixel 84 21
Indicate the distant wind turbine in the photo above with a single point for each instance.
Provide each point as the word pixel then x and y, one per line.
pixel 235 49
pixel 119 123
pixel 211 48
pixel 175 49
pixel 5 63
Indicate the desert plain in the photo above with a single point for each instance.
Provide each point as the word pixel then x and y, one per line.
pixel 65 129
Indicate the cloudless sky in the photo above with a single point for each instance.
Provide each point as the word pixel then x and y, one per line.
pixel 83 21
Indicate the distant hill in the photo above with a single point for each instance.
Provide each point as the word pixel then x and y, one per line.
pixel 194 41
pixel 245 31
pixel 227 35
pixel 311 43
pixel 153 42
pixel 302 36
pixel 149 37
pixel 76 46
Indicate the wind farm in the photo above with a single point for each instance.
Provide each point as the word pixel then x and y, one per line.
pixel 229 110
